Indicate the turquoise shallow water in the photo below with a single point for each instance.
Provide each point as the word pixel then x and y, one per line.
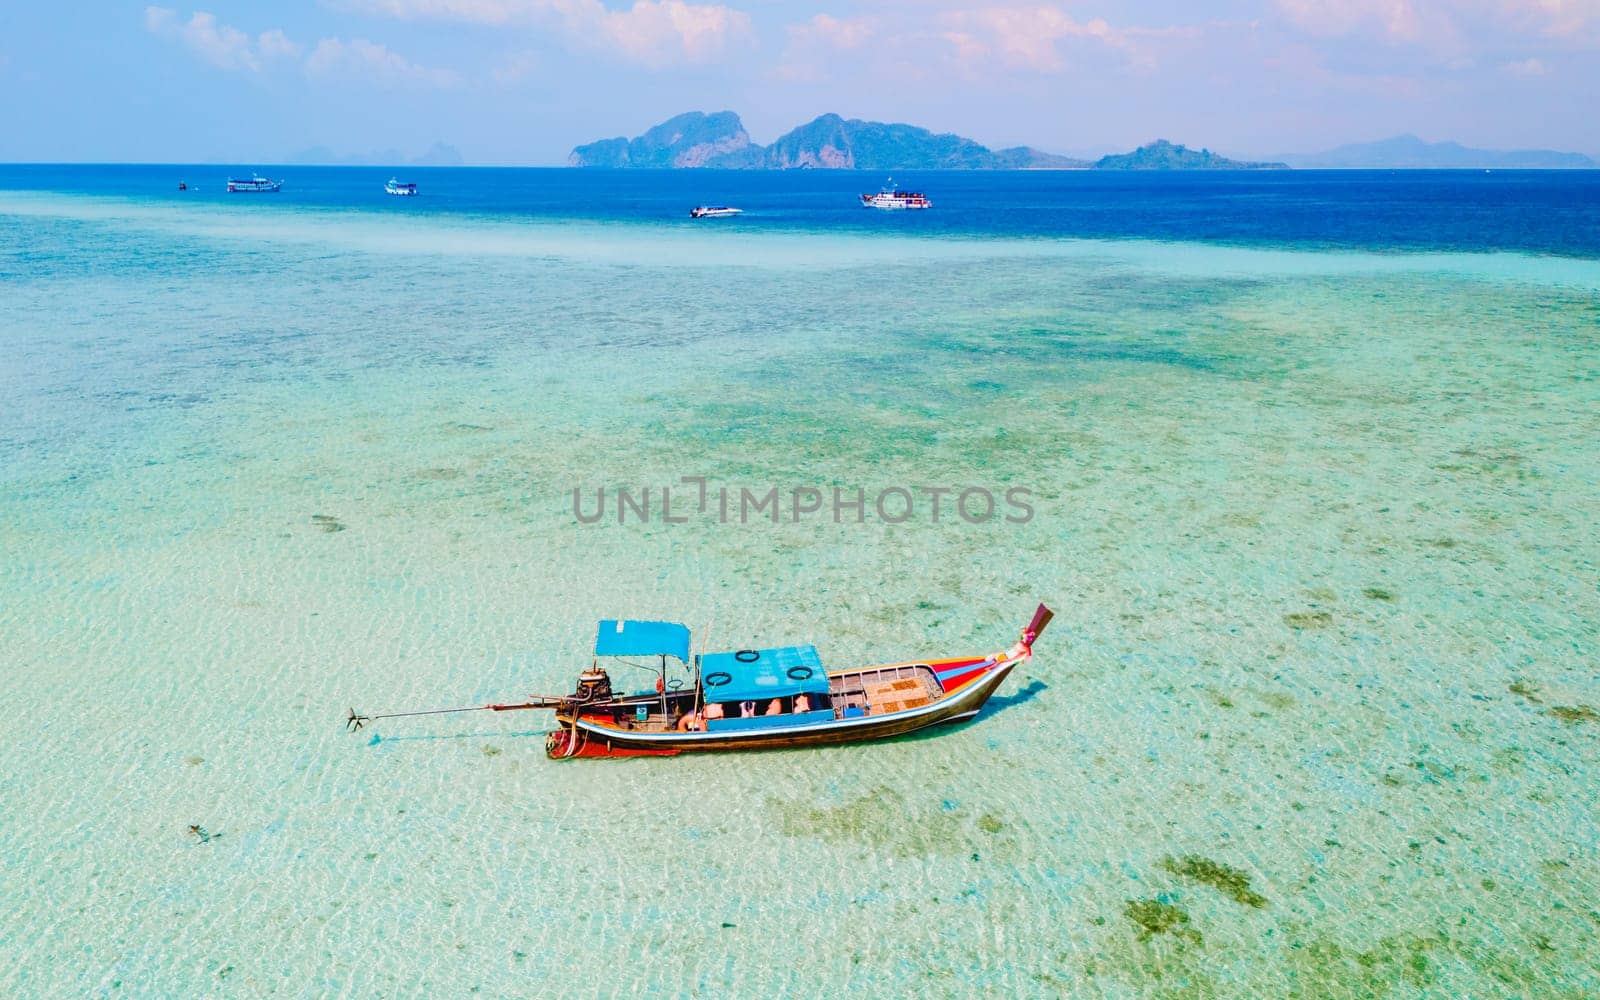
pixel 1319 529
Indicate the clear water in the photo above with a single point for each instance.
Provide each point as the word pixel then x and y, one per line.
pixel 1317 515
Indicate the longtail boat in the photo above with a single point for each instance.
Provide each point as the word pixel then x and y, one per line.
pixel 753 699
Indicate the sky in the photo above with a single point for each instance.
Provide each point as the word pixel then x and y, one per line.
pixel 523 81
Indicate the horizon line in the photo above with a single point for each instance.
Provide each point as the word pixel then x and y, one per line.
pixel 782 170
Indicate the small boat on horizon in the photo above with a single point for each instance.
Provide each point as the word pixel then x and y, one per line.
pixel 398 189
pixel 714 212
pixel 253 184
pixel 753 699
pixel 894 199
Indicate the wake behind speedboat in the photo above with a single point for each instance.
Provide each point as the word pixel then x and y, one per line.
pixel 714 212
pixel 893 198
pixel 394 187
pixel 753 699
pixel 253 184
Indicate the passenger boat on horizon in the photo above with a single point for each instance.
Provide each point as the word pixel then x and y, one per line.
pixel 714 212
pixel 400 190
pixel 254 184
pixel 753 699
pixel 894 199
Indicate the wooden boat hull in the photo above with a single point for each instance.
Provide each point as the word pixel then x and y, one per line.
pixel 968 684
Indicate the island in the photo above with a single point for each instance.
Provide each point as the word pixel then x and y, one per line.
pixel 1163 155
pixel 852 144
pixel 698 139
pixel 719 140
pixel 1408 152
pixel 694 139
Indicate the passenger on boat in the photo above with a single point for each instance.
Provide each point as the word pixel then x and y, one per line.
pixel 747 709
pixel 801 703
pixel 774 707
pixel 714 710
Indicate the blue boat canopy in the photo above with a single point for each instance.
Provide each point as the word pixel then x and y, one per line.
pixel 622 638
pixel 762 674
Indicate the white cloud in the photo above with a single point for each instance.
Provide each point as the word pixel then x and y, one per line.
pixel 834 32
pixel 373 62
pixel 972 41
pixel 475 11
pixel 653 32
pixel 1561 18
pixel 1394 19
pixel 275 44
pixel 157 19
pixel 1023 37
pixel 516 68
pixel 229 48
pixel 221 45
pixel 813 44
pixel 1525 67
pixel 1445 25
pixel 656 32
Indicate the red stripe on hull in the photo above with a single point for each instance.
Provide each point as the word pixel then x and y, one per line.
pixel 558 744
pixel 597 748
pixel 950 683
pixel 952 673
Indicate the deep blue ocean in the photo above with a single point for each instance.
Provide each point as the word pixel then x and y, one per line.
pixel 1551 212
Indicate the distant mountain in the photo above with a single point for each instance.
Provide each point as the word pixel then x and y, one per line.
pixel 694 139
pixel 839 143
pixel 831 141
pixel 1407 152
pixel 836 143
pixel 1163 155
pixel 438 155
pixel 720 140
pixel 1028 158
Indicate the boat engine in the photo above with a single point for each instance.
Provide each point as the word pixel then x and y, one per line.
pixel 594 684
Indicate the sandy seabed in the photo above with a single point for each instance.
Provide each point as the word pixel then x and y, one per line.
pixel 1318 714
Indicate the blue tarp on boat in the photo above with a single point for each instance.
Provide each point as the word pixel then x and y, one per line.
pixel 622 638
pixel 762 674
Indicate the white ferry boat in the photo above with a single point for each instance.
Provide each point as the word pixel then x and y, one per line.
pixel 714 212
pixel 394 187
pixel 254 183
pixel 893 198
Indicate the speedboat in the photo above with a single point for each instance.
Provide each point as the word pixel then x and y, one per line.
pixel 893 198
pixel 253 184
pixel 752 699
pixel 714 212
pixel 394 187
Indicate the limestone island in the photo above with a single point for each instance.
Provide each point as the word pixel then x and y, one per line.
pixel 719 140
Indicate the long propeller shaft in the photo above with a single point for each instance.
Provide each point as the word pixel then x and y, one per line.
pixel 356 721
